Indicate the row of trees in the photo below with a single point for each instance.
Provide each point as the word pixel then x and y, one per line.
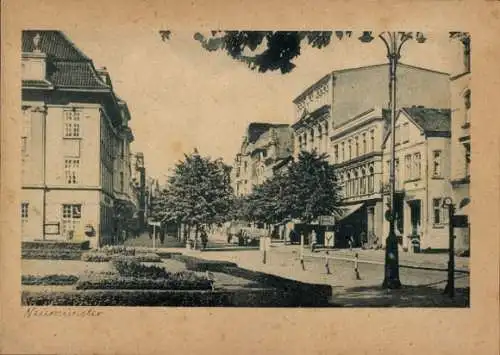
pixel 199 193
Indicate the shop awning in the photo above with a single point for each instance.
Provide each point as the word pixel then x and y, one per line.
pixel 346 211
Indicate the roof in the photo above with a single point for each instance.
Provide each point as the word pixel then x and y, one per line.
pixel 53 43
pixel 67 66
pixel 430 119
pixel 256 129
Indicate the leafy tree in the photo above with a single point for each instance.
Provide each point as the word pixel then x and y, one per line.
pixel 311 189
pixel 197 193
pixel 306 191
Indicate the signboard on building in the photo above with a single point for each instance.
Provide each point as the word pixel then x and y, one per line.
pixel 51 228
pixel 326 220
pixel 460 221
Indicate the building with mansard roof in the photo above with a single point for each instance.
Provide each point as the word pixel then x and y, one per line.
pixel 75 145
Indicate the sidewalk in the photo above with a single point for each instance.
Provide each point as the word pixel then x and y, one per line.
pixel 406 259
pixel 422 288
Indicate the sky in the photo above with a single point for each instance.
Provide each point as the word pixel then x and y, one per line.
pixel 181 96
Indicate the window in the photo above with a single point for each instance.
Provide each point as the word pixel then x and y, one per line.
pixel 417 166
pixel 24 212
pixel 397 135
pixel 405 133
pixel 71 170
pixel 357 146
pixel 467 104
pixel 396 172
pixel 364 143
pixel 466 42
pixel 350 149
pixel 122 181
pixel 436 163
pixel 363 181
pixel 372 138
pixel 371 180
pixel 348 185
pixel 440 215
pixel 336 153
pixel 356 184
pixel 388 170
pixel 72 123
pixel 408 174
pixel 467 160
pixel 343 151
pixel 72 214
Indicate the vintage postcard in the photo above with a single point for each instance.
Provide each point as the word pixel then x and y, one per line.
pixel 170 173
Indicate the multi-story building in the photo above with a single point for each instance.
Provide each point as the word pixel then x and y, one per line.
pixel 342 115
pixel 75 144
pixel 422 172
pixel 266 147
pixel 460 131
pixel 357 155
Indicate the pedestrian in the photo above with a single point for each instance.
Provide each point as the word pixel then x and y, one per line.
pixel 204 238
pixel 351 242
pixel 314 240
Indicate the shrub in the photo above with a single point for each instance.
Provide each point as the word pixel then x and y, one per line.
pixel 196 264
pixel 117 249
pixel 148 258
pixel 49 280
pixel 128 266
pixel 53 244
pixel 176 282
pixel 53 254
pixel 96 257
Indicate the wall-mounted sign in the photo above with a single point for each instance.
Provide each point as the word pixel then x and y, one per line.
pixel 51 228
pixel 326 220
pixel 460 221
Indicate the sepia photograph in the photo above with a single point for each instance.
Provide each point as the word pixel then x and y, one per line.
pixel 236 168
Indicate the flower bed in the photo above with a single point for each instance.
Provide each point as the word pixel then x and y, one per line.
pixel 129 266
pixel 99 256
pixel 117 250
pixel 49 280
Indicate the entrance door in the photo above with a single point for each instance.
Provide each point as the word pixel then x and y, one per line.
pixel 415 208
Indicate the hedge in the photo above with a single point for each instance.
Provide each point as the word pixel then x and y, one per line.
pixel 49 280
pixel 129 266
pixel 176 282
pixel 103 257
pixel 54 254
pixel 165 298
pixel 54 244
pixel 96 257
pixel 197 264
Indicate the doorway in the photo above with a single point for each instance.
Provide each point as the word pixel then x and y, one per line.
pixel 415 214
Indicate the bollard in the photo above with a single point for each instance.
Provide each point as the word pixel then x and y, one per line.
pixel 356 271
pixel 327 266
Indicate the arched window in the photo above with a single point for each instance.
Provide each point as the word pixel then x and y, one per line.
pixel 363 181
pixel 356 184
pixel 350 149
pixel 357 146
pixel 348 185
pixel 371 180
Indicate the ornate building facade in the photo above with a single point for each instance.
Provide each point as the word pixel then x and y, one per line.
pixel 266 147
pixel 75 144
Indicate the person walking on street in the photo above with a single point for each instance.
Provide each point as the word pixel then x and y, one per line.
pixel 314 240
pixel 204 238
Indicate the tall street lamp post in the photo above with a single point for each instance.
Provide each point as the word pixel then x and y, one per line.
pixel 393 41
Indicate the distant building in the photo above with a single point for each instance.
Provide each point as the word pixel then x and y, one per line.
pixel 140 188
pixel 75 144
pixel 266 148
pixel 460 132
pixel 422 175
